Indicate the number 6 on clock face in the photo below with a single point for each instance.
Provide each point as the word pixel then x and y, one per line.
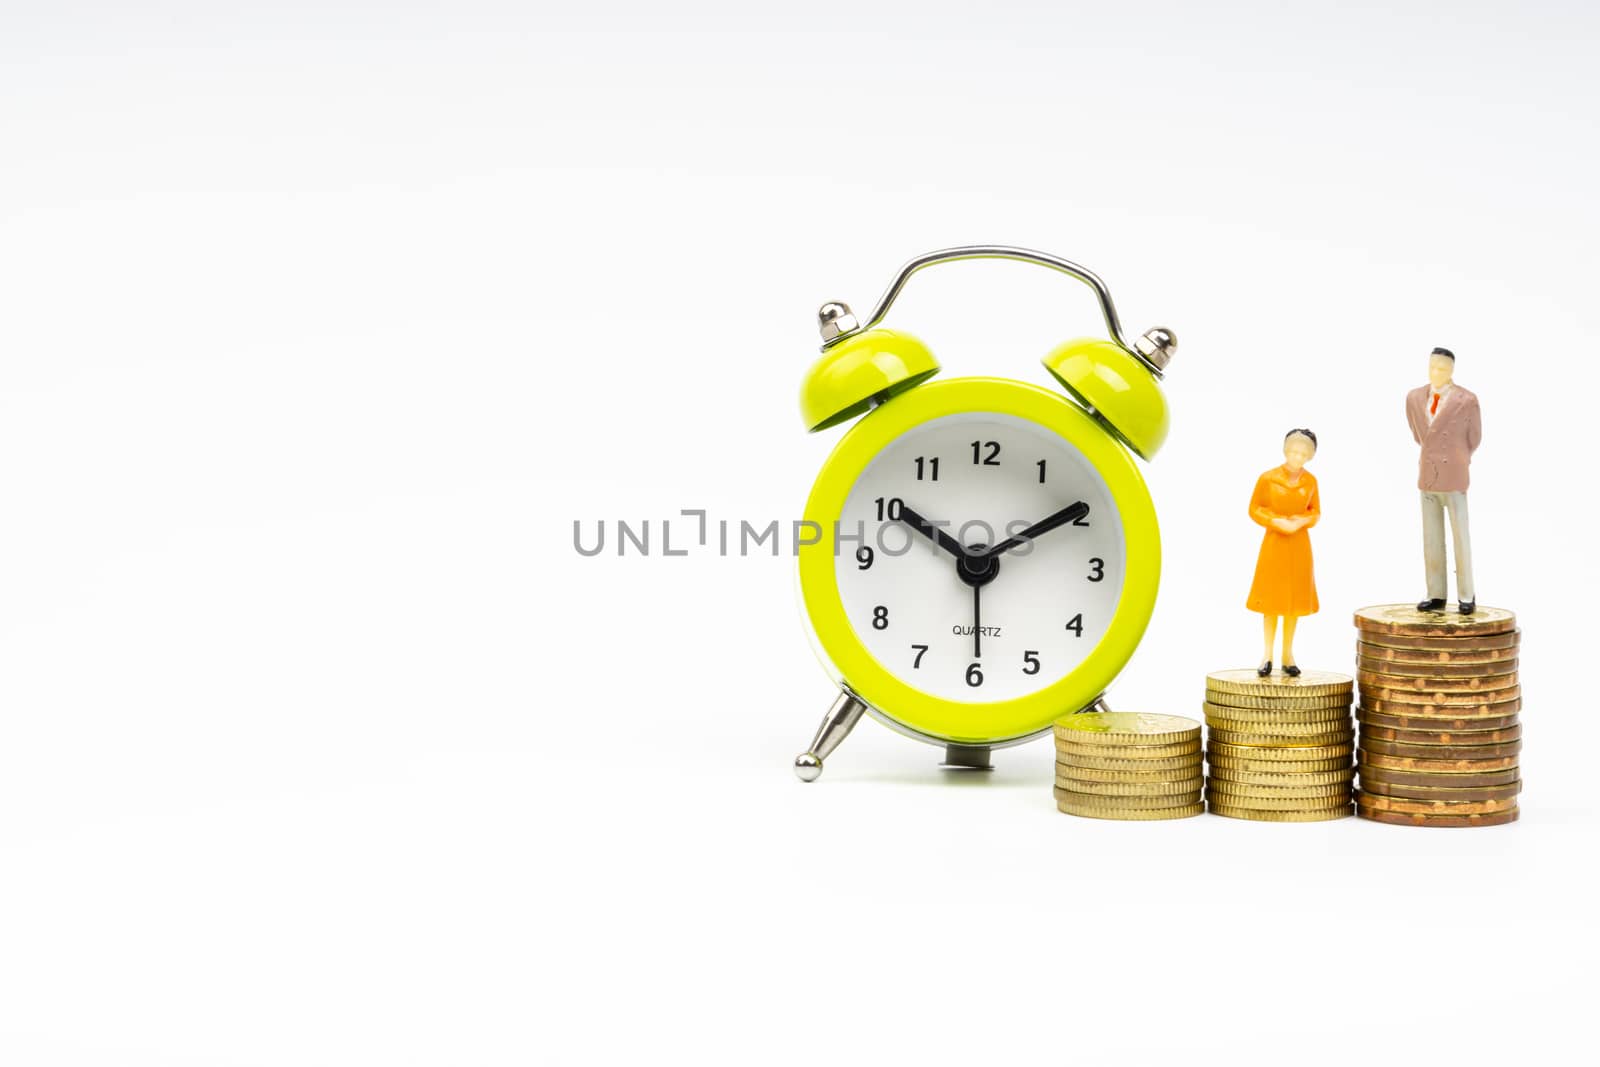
pixel 988 562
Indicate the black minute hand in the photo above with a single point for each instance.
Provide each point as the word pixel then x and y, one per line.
pixel 1070 513
pixel 932 532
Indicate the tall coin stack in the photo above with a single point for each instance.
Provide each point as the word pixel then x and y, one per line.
pixel 1128 765
pixel 1440 737
pixel 1279 747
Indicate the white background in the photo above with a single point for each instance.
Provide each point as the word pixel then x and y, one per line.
pixel 320 324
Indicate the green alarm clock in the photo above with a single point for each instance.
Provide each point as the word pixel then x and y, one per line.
pixel 987 554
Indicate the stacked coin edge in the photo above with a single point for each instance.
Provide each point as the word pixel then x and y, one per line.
pixel 1440 727
pixel 1128 766
pixel 1279 749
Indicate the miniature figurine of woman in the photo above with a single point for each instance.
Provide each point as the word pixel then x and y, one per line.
pixel 1286 503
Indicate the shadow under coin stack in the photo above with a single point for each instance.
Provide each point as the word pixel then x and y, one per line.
pixel 1279 747
pixel 1128 765
pixel 1440 737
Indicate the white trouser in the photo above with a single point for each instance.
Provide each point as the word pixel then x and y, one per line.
pixel 1434 505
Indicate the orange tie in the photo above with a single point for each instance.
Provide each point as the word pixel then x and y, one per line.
pixel 1435 409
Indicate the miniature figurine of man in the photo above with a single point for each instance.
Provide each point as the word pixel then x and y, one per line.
pixel 1445 422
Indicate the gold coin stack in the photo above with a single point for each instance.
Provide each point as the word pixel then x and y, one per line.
pixel 1279 747
pixel 1128 765
pixel 1440 736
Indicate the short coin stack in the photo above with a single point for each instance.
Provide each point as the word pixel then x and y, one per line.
pixel 1279 747
pixel 1440 737
pixel 1128 765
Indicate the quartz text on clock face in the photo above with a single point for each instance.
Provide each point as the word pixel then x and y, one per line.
pixel 990 557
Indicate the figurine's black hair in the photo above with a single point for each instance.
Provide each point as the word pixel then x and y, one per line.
pixel 1304 432
pixel 1446 353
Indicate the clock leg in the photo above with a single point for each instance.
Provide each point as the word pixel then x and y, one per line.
pixel 836 726
pixel 966 758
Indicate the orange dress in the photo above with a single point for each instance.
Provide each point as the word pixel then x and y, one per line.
pixel 1284 584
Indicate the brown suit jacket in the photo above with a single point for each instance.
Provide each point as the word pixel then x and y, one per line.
pixel 1448 444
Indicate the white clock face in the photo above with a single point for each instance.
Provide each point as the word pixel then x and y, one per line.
pixel 996 633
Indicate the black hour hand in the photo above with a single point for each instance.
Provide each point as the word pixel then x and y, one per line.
pixel 933 533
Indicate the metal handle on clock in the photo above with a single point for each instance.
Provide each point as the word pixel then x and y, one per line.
pixel 1021 255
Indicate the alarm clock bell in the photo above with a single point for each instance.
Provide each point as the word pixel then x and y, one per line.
pixel 860 371
pixel 1118 386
